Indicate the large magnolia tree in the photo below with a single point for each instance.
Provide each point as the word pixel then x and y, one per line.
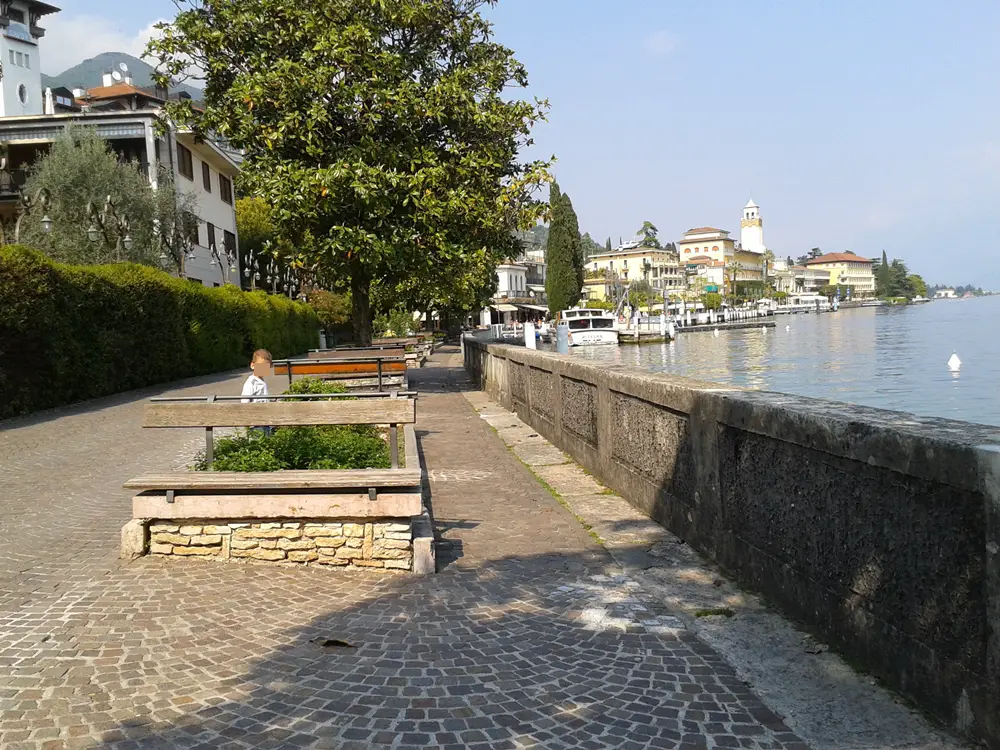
pixel 384 134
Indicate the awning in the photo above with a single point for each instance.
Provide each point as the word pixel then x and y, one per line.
pixel 504 308
pixel 539 308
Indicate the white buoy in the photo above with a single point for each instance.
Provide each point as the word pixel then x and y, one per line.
pixel 716 332
pixel 788 328
pixel 954 363
pixel 764 329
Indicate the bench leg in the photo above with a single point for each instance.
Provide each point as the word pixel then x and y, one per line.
pixel 209 447
pixel 394 445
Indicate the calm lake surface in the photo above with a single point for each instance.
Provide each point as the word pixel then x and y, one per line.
pixel 892 358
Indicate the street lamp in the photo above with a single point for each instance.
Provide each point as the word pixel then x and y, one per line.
pixel 229 261
pixel 108 218
pixel 27 205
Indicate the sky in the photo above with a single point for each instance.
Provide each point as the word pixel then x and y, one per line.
pixel 855 125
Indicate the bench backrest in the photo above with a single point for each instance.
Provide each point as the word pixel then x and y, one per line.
pixel 204 414
pixel 358 353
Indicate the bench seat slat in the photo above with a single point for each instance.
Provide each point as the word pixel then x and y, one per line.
pixel 340 368
pixel 276 480
pixel 280 414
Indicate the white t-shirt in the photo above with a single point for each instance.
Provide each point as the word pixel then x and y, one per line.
pixel 254 386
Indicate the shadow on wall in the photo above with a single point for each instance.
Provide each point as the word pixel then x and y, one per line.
pixel 869 527
pixel 514 652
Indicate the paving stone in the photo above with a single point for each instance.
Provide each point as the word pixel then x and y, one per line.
pixel 529 636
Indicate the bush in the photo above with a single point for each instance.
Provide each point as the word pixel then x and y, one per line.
pixel 327 447
pixel 316 385
pixel 77 332
pixel 711 300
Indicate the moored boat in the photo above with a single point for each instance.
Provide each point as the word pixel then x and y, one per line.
pixel 589 327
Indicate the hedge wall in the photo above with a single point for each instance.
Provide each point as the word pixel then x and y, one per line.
pixel 69 333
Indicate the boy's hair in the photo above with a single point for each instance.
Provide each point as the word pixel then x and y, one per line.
pixel 262 355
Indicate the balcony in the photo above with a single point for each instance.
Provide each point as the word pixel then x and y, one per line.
pixel 12 182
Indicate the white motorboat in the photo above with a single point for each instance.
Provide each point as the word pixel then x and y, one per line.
pixel 589 327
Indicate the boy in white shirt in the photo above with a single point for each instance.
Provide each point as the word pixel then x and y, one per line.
pixel 255 385
pixel 260 367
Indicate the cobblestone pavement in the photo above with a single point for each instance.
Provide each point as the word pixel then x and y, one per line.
pixel 530 636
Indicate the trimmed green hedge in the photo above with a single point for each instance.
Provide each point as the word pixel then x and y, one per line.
pixel 69 333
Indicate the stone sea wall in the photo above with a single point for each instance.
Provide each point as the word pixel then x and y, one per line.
pixel 878 531
pixel 381 544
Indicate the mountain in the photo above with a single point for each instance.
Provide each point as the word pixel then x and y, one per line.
pixel 88 74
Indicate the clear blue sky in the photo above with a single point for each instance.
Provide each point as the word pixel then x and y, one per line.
pixel 856 125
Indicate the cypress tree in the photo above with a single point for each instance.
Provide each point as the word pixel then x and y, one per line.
pixel 560 272
pixel 607 245
pixel 576 245
pixel 884 280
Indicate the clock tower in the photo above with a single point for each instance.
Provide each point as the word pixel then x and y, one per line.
pixel 20 63
pixel 752 229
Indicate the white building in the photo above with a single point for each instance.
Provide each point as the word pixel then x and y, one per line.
pixel 752 229
pixel 945 294
pixel 124 115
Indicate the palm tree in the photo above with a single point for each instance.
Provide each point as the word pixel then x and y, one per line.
pixel 732 270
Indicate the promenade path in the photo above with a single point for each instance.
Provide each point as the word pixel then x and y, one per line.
pixel 531 635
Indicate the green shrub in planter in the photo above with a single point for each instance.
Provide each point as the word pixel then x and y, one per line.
pixel 327 447
pixel 316 385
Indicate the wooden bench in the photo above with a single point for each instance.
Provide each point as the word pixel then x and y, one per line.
pixel 359 493
pixel 341 368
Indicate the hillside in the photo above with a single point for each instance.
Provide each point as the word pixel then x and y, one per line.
pixel 88 73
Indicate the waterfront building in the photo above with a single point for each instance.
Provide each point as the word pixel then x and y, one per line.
pixel 125 115
pixel 847 269
pixel 708 242
pixel 520 291
pixel 631 262
pixel 705 274
pixel 780 274
pixel 807 279
pixel 945 294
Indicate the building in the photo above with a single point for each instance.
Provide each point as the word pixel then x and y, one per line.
pixel 706 241
pixel 781 276
pixel 705 274
pixel 945 294
pixel 520 291
pixel 713 244
pixel 126 116
pixel 806 279
pixel 847 269
pixel 630 262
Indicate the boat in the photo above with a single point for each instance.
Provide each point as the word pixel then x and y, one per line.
pixel 589 327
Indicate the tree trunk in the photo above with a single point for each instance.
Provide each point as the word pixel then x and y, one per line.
pixel 361 308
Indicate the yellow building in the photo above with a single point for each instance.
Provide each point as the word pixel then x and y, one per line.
pixel 629 263
pixel 847 269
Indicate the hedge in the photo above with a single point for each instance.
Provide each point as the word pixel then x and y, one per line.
pixel 69 333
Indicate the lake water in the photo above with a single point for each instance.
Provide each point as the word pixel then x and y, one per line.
pixel 892 358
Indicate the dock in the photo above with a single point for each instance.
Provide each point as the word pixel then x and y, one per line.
pixel 735 325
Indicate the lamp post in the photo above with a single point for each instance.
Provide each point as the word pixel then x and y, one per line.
pixel 227 261
pixel 175 239
pixel 27 204
pixel 251 270
pixel 108 219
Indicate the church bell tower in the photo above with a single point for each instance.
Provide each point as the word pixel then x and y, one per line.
pixel 752 229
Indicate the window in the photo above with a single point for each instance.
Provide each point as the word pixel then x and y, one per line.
pixel 229 240
pixel 185 164
pixel 226 189
pixel 211 235
pixel 11 57
pixel 22 93
pixel 15 15
pixel 206 176
pixel 20 59
pixel 27 61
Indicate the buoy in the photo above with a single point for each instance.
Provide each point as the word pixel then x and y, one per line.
pixel 954 363
pixel 716 332
pixel 788 328
pixel 764 329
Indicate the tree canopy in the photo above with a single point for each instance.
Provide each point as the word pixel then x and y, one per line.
pixel 382 133
pixel 648 232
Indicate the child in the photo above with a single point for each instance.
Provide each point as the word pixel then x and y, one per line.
pixel 260 367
